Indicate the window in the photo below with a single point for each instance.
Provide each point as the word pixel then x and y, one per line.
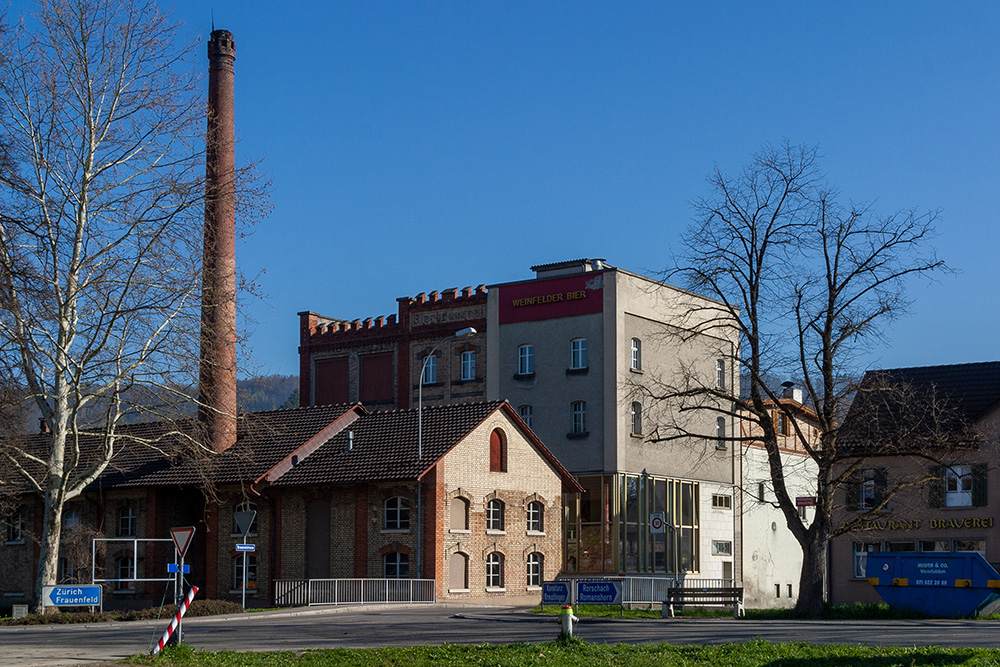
pixel 430 370
pixel 396 565
pixel 802 512
pixel 636 418
pixel 861 551
pixel 958 486
pixel 720 433
pixel 578 354
pixel 720 373
pixel 459 514
pixel 494 515
pixel 721 501
pixel 777 590
pixel 71 518
pixel 245 506
pixel 722 548
pixel 536 517
pixel 935 545
pixel 126 521
pixel 971 545
pixel 251 572
pixel 868 489
pixel 498 451
pixel 397 513
pixel 527 414
pixel 468 365
pixel 14 527
pixel 789 590
pixel 579 412
pixel 636 361
pixel 535 568
pixel 67 571
pixel 125 567
pixel 526 360
pixel 494 570
pixel 761 490
pixel 781 422
pixel 458 572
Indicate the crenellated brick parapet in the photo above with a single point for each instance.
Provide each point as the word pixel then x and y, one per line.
pixel 338 348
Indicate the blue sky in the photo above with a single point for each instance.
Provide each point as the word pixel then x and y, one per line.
pixel 416 146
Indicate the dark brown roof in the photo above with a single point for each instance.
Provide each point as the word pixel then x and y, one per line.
pixel 385 445
pixel 920 408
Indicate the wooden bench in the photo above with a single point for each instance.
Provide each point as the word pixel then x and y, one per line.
pixel 703 596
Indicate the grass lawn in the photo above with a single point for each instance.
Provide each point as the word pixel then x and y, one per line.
pixel 752 654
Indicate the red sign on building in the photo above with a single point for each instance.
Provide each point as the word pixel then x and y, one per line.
pixel 549 299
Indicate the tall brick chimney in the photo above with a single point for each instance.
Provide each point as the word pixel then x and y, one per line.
pixel 217 371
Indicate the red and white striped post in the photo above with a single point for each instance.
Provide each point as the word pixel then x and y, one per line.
pixel 177 619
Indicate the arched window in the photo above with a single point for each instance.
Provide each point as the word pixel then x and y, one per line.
pixel 536 562
pixel 578 410
pixel 458 572
pixel 494 515
pixel 251 573
pixel 498 451
pixel 396 565
pixel 636 361
pixel 720 433
pixel 126 521
pixel 459 514
pixel 397 513
pixel 578 354
pixel 494 570
pixel 636 418
pixel 430 370
pixel 245 506
pixel 527 414
pixel 536 517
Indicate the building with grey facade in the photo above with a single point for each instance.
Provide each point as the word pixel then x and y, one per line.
pixel 578 350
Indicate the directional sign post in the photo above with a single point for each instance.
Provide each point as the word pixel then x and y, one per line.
pixel 182 537
pixel 244 522
pixel 555 592
pixel 598 592
pixel 72 596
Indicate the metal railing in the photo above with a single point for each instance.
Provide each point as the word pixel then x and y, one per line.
pixel 302 592
pixel 653 590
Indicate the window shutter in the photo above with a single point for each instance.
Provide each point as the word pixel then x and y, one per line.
pixel 853 483
pixel 936 498
pixel 495 452
pixel 881 484
pixel 979 484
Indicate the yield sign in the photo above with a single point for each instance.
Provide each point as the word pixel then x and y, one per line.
pixel 182 538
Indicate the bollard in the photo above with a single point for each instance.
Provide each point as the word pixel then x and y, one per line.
pixel 566 621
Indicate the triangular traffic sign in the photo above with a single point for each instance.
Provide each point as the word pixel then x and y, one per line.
pixel 182 538
pixel 244 521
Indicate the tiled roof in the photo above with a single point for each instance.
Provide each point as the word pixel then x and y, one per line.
pixel 913 409
pixel 385 445
pixel 263 438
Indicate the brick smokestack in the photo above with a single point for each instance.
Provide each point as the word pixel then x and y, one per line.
pixel 217 372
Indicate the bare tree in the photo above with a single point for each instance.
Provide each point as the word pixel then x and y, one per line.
pixel 100 233
pixel 810 284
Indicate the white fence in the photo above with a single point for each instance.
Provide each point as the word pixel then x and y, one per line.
pixel 301 592
pixel 653 590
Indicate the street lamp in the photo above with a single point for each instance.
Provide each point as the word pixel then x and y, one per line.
pixel 461 333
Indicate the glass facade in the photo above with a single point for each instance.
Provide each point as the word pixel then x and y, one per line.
pixel 607 528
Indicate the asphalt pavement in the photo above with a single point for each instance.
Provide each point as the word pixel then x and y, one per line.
pixel 360 627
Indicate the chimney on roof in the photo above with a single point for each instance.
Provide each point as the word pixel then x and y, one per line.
pixel 217 369
pixel 789 390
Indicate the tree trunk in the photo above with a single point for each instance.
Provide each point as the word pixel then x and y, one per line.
pixel 811 581
pixel 51 534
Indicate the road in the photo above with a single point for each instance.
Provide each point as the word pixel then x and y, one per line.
pixel 58 645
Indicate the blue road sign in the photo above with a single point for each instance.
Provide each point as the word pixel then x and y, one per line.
pixel 72 596
pixel 598 592
pixel 555 592
pixel 246 547
pixel 172 568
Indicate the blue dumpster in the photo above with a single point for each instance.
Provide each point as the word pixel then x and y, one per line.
pixel 934 583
